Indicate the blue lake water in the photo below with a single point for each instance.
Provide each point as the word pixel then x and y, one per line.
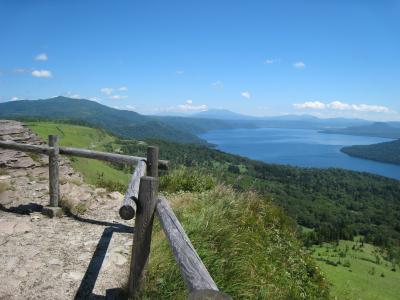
pixel 299 147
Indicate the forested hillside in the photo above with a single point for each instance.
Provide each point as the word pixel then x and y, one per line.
pixel 337 203
pixel 388 152
pixel 80 111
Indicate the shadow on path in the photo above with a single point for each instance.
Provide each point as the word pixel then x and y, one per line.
pixel 23 209
pixel 85 290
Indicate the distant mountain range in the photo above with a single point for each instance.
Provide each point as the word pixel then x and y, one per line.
pixel 283 121
pixel 175 128
pixel 377 129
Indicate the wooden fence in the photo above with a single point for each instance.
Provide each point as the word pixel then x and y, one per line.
pixel 141 200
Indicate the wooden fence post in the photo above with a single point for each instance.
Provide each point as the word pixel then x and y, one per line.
pixel 143 229
pixel 54 188
pixel 152 161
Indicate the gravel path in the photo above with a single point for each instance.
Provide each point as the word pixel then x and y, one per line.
pixel 79 256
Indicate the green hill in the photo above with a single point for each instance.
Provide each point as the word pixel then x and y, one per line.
pixel 119 122
pixel 388 152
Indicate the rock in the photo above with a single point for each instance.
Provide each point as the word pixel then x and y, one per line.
pixel 22 273
pixel 22 227
pixel 7 227
pixel 118 259
pixel 75 275
pixel 6 197
pixel 55 262
pixel 117 196
pixel 100 191
pixel 4 177
pixel 35 217
pixel 85 256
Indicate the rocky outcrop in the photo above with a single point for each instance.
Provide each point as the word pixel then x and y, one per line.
pixel 84 253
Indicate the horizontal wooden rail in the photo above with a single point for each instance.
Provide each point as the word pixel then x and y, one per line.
pixel 106 156
pixel 193 270
pixel 26 147
pixel 110 157
pixel 128 208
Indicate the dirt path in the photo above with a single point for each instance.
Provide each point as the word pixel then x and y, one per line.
pixel 81 256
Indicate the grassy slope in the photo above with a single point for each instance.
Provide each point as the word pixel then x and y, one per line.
pixel 247 243
pixel 362 279
pixel 84 137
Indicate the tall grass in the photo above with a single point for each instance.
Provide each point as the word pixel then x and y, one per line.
pixel 248 245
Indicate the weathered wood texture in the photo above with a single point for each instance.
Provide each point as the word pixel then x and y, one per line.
pixel 152 159
pixel 193 270
pixel 128 208
pixel 25 147
pixel 110 157
pixel 208 295
pixel 143 229
pixel 54 187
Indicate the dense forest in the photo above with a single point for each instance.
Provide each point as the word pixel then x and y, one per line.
pixel 388 152
pixel 338 204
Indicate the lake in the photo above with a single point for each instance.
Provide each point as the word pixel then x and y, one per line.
pixel 299 147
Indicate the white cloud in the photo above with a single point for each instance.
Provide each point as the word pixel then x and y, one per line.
pixel 116 107
pixel 73 95
pixel 246 94
pixel 123 89
pixel 42 73
pixel 217 84
pixel 179 72
pixel 188 106
pixel 299 65
pixel 371 108
pixel 107 91
pixel 96 99
pixel 337 105
pixel 14 98
pixel 130 107
pixel 310 105
pixel 21 70
pixel 271 61
pixel 41 57
pixel 118 97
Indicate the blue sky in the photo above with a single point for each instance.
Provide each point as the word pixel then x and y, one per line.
pixel 327 58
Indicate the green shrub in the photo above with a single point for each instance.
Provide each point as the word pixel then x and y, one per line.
pixel 186 180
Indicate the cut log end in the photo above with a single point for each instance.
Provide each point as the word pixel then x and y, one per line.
pixel 127 212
